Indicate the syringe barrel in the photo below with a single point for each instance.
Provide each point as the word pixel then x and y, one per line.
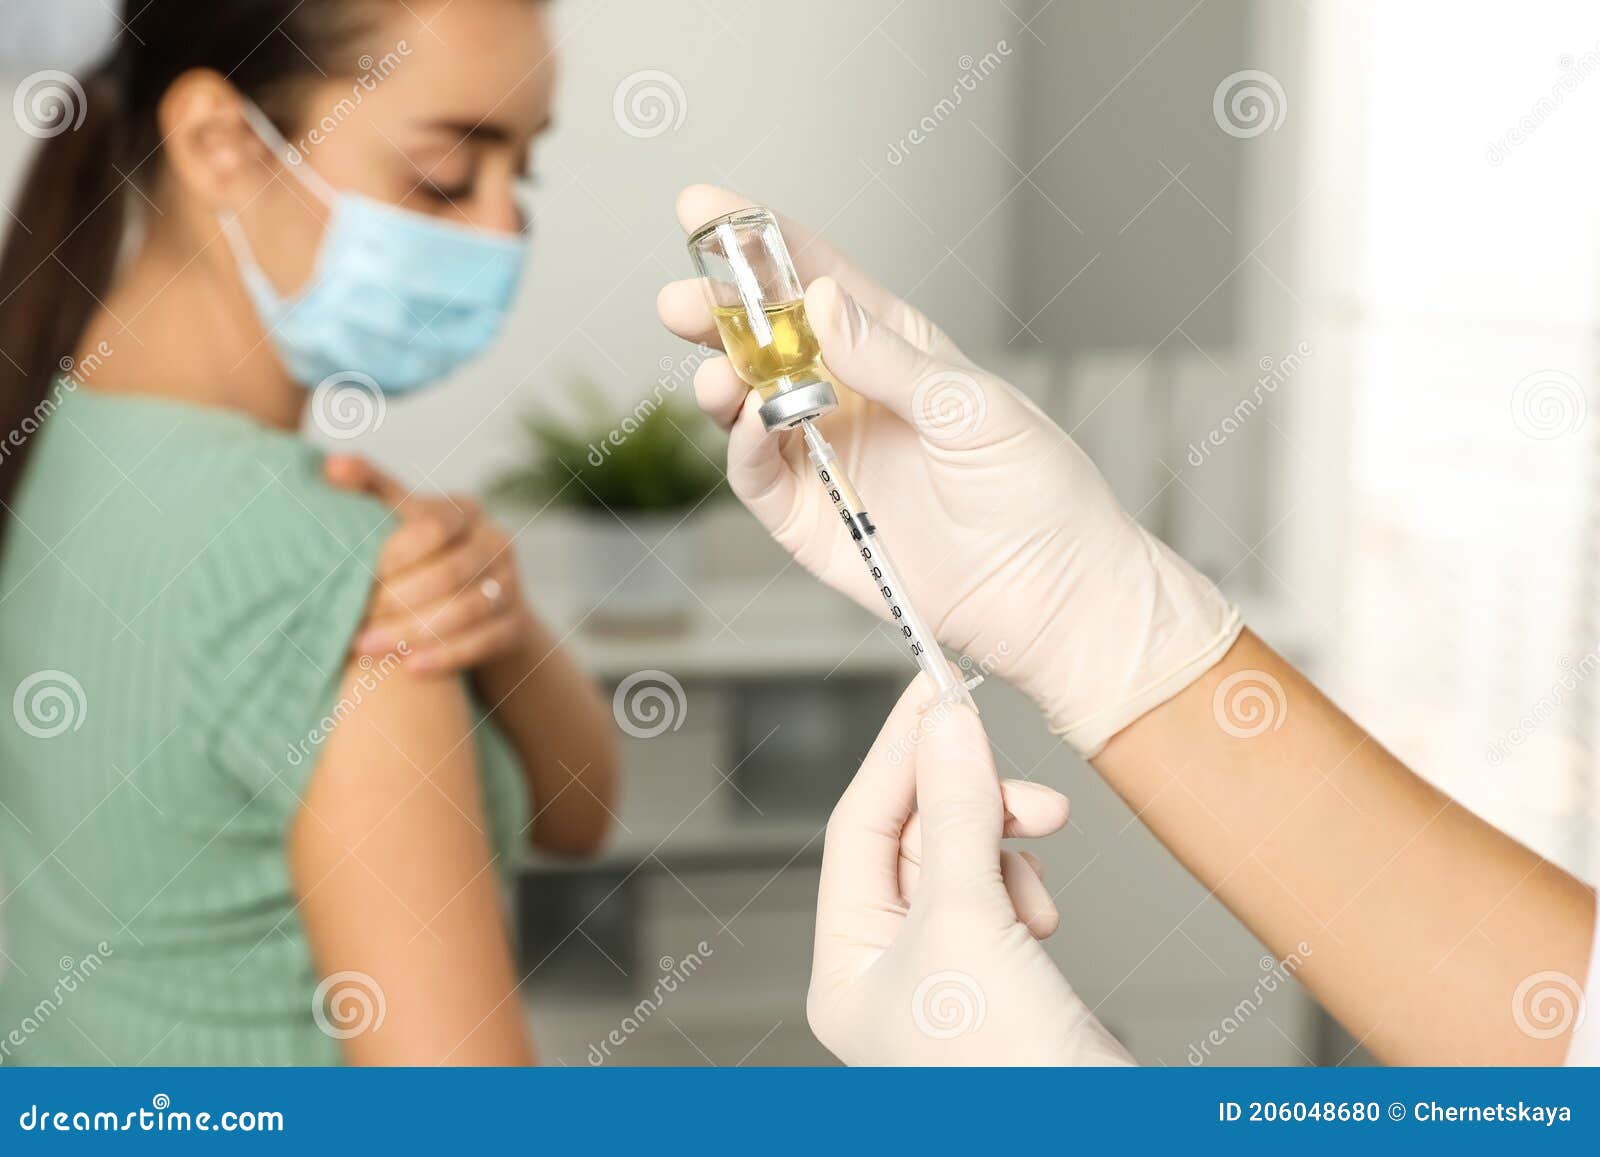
pixel 918 637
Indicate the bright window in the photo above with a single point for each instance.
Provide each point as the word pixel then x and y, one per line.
pixel 1456 175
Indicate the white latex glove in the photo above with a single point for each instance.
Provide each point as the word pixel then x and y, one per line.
pixel 1010 542
pixel 921 957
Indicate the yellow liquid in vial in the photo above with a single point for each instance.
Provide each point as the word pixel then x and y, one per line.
pixel 792 352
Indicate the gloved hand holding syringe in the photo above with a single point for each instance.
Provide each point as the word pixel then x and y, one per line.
pixel 758 303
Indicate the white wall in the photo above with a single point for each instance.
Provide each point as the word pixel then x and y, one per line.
pixel 60 34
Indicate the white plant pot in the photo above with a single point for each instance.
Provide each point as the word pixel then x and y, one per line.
pixel 641 569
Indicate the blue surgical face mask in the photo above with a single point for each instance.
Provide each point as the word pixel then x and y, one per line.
pixel 398 296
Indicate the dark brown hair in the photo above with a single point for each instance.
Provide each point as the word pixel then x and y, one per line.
pixel 61 250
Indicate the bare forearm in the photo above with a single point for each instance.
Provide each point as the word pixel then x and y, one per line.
pixel 564 737
pixel 1421 920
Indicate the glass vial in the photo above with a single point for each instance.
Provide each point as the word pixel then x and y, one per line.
pixel 758 303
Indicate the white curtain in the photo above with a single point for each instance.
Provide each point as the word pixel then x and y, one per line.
pixel 1453 177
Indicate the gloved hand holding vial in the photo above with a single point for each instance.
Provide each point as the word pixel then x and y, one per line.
pixel 758 305
pixel 1023 553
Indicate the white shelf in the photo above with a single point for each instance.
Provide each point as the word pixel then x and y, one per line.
pixel 797 627
pixel 791 627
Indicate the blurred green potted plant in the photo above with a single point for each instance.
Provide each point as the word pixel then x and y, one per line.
pixel 637 481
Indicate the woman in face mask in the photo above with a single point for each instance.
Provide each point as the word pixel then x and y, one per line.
pixel 278 723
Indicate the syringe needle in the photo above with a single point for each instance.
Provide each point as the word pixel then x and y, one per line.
pixel 924 647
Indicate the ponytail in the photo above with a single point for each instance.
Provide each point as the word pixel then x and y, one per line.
pixel 102 135
pixel 61 250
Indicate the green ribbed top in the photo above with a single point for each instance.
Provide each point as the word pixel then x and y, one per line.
pixel 178 591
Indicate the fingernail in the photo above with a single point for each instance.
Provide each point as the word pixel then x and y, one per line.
pixel 425 663
pixel 852 319
pixel 371 642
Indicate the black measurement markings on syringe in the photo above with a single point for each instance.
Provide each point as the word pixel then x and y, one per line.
pixel 860 526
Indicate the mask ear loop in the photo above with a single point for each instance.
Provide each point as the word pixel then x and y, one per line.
pixel 295 161
pixel 288 154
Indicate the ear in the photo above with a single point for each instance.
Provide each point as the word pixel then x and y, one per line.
pixel 207 144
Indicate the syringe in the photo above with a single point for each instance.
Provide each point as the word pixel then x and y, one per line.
pixel 924 648
pixel 758 306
